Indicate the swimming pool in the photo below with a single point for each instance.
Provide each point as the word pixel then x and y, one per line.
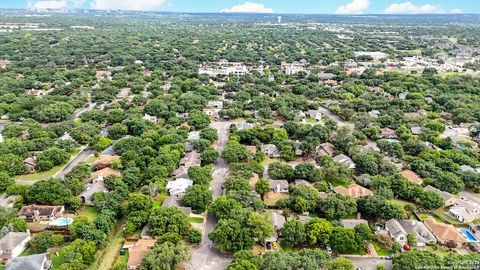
pixel 468 234
pixel 61 222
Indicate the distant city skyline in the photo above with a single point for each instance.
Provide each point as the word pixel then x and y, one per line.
pixel 263 6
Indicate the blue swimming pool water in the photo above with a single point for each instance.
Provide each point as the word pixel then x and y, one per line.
pixel 468 234
pixel 62 221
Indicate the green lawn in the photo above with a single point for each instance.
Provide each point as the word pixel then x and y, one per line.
pixel 111 251
pixel 90 212
pixel 158 202
pixel 196 220
pixel 57 260
pixel 39 175
pixel 337 183
pixel 45 175
pixel 453 39
pixel 442 215
pixel 381 251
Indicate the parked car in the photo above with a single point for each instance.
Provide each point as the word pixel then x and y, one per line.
pixel 329 249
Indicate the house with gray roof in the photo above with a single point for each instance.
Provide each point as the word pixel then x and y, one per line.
pixel 399 229
pixel 343 159
pixel 270 150
pixel 278 186
pixel 31 262
pixel 352 223
pixel 13 244
pixel 90 189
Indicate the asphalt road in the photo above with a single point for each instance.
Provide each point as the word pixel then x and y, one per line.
pixel 206 256
pixel 80 157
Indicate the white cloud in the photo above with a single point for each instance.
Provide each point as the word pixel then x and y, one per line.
pixel 129 4
pixel 248 7
pixel 77 3
pixel 409 8
pixel 51 4
pixel 354 7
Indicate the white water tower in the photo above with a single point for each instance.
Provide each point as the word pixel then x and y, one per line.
pixel 279 19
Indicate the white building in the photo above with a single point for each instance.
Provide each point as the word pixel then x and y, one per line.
pixel 294 68
pixel 13 244
pixel 178 187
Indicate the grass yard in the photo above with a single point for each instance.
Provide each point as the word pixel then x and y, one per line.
pixel 40 175
pixel 121 260
pixel 443 216
pixel 381 251
pixel 111 251
pixel 90 212
pixel 158 202
pixel 270 198
pixel 437 249
pixel 57 260
pixel 337 183
pixel 453 39
pixel 267 161
pixel 196 220
pixel 48 174
pixel 90 159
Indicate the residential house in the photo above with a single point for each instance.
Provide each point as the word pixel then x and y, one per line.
pixel 13 244
pixel 465 210
pixel 448 198
pixel 180 172
pixel 326 75
pixel 105 161
pixel 179 186
pixel 103 74
pixel 150 118
pixel 4 63
pixel 315 115
pixel 444 232
pixel 278 222
pixel 215 104
pixel 30 163
pixel 193 135
pixel 300 182
pixel 123 93
pixel 294 68
pixel 388 133
pixel 396 231
pixel 212 113
pixel 374 113
pixel 90 189
pixel 176 202
pixel 35 92
pixel 191 159
pixel 399 229
pixel 35 212
pixel 352 223
pixel 324 149
pixel 353 190
pixel 270 150
pixel 100 175
pixel 416 130
pixel 241 126
pixel 298 149
pixel 343 159
pixel 65 137
pixel 137 251
pixel 412 177
pixel 30 262
pixel 279 186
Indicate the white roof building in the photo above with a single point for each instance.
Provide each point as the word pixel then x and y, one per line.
pixel 178 187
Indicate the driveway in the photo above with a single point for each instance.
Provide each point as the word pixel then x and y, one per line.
pixel 206 256
pixel 369 263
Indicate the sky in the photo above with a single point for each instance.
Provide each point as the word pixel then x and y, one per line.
pixel 264 6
